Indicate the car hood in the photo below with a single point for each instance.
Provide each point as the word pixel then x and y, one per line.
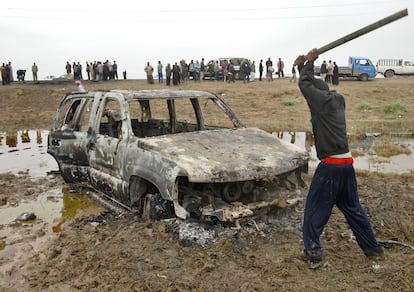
pixel 225 155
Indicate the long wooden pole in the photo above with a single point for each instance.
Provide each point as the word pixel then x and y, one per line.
pixel 363 31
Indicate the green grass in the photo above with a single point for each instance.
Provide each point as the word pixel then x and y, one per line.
pixel 289 101
pixel 395 108
pixel 364 105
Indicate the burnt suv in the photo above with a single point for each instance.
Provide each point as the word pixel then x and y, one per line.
pixel 172 153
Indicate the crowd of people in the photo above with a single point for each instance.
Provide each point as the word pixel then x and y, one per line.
pixel 97 70
pixel 6 73
pixel 329 72
pixel 221 69
pixel 225 70
pixel 178 73
pixel 182 71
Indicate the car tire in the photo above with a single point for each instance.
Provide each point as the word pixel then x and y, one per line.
pixel 154 207
pixel 363 77
pixel 389 74
pixel 66 176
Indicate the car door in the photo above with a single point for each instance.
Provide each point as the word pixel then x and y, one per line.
pixel 408 68
pixel 67 139
pixel 362 66
pixel 107 147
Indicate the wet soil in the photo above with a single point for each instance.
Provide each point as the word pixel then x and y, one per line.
pixel 92 250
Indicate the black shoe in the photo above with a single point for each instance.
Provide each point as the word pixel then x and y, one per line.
pixel 314 256
pixel 376 252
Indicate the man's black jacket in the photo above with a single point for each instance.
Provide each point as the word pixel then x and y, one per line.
pixel 328 114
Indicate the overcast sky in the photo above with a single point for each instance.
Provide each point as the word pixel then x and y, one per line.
pixel 134 32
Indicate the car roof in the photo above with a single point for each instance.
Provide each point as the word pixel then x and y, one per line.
pixel 148 94
pixel 164 94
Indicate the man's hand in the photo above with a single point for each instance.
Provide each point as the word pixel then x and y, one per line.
pixel 313 54
pixel 300 60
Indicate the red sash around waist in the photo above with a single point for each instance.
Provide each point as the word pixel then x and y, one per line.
pixel 335 160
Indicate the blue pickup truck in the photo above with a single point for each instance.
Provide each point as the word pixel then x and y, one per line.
pixel 358 67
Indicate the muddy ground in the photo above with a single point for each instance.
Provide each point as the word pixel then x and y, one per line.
pixel 98 251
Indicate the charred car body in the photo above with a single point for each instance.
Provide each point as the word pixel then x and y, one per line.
pixel 172 152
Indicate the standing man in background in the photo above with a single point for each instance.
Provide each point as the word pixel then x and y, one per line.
pixel 149 70
pixel 3 74
pixel 260 70
pixel 168 72
pixel 269 69
pixel 35 69
pixel 202 69
pixel 246 72
pixel 329 72
pixel 280 68
pixel 11 78
pixel 88 71
pixel 323 70
pixel 293 78
pixel 115 70
pixel 335 74
pixel 252 71
pixel 68 70
pixel 160 76
pixel 176 74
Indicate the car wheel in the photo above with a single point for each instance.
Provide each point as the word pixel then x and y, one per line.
pixel 65 175
pixel 154 207
pixel 363 77
pixel 389 73
pixel 138 188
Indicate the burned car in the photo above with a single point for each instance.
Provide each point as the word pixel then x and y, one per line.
pixel 169 153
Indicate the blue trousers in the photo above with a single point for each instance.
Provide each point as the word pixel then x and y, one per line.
pixel 331 185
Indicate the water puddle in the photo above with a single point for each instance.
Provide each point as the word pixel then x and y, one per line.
pixel 373 152
pixel 25 150
pixel 52 209
pixel 49 207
